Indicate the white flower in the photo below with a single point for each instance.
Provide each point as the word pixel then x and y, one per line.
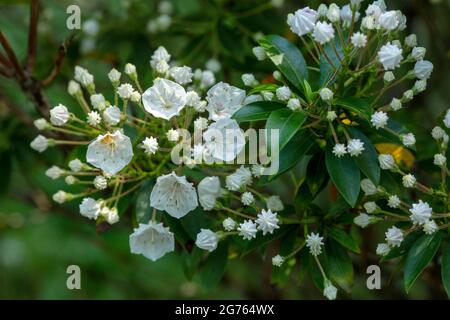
pixel 446 121
pixel 249 80
pixel 164 99
pixel 267 221
pixel 329 291
pixel 294 104
pixel 379 119
pixel 208 192
pixel 110 152
pixel 125 91
pixel 93 118
pixel 347 16
pixel 150 145
pixel 61 197
pixel 396 104
pixel 359 40
pixel 394 201
pixel 274 203
pixel 322 10
pixel 112 115
pixel 383 249
pixel 152 240
pixel 98 101
pixel 438 133
pixel 423 69
pixel 200 123
pixel 420 86
pixel 160 54
pixel 40 143
pixel 223 101
pixel 240 178
pixel 440 159
pixel 389 76
pixel 54 172
pixel 418 53
pixel 334 13
pixel 430 227
pixel 83 76
pixel 394 236
pixel 314 242
pixel 229 224
pixel 90 208
pixel 368 23
pixel 420 212
pixel 302 21
pixel 192 99
pixel 409 181
pixel 213 65
pixel 173 135
pixel 259 53
pixel 326 94
pixel 388 20
pixel 362 220
pixel 135 97
pixel 390 56
pixel 91 27
pixel 75 165
pixel 370 207
pixel 100 183
pixel 368 187
pixel 165 7
pixel 173 194
pixel 110 214
pixel 73 88
pixel 339 150
pixel 247 229
pixel 256 172
pixel 387 161
pixel 162 67
pixel 207 240
pixel 247 198
pixel 70 180
pixel 374 11
pixel 224 139
pixel 130 69
pixel 331 116
pixel 355 147
pixel 408 95
pixel 59 115
pixel 277 260
pixel 182 75
pixel 114 76
pixel 267 95
pixel 207 79
pixel 323 32
pixel 40 124
pixel 283 93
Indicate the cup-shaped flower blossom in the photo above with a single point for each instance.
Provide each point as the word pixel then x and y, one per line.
pixel 164 99
pixel 208 192
pixel 110 152
pixel 224 139
pixel 152 240
pixel 173 194
pixel 390 56
pixel 302 21
pixel 224 100
pixel 207 240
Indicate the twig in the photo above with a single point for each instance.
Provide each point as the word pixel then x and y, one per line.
pixel 32 35
pixel 62 50
pixel 11 55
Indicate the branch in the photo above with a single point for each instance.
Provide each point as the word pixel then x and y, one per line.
pixel 62 51
pixel 32 34
pixel 4 61
pixel 11 55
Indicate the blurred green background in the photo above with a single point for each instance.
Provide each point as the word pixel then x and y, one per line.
pixel 39 239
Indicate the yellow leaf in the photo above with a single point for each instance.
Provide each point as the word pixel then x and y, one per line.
pixel 402 156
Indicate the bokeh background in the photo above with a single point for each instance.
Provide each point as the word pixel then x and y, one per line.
pixel 39 239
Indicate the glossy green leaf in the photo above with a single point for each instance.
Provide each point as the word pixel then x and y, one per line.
pixel 344 239
pixel 445 269
pixel 340 265
pixel 258 110
pixel 288 123
pixel 327 70
pixel 356 105
pixel 419 256
pixel 264 87
pixel 214 267
pixel 345 175
pixel 368 160
pixel 287 58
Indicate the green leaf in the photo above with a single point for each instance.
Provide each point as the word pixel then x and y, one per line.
pixel 345 175
pixel 287 122
pixel 287 58
pixel 340 265
pixel 368 160
pixel 252 245
pixel 419 256
pixel 445 269
pixel 191 261
pixel 258 110
pixel 326 69
pixel 214 267
pixel 356 105
pixel 344 239
pixel 142 209
pixel 316 173
pixel 264 87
